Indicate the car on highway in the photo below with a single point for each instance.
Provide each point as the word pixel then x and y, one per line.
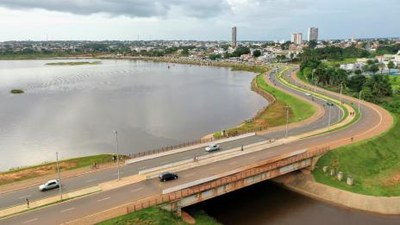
pixel 51 184
pixel 212 147
pixel 167 176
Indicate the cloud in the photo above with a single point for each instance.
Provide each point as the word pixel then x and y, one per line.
pixel 130 8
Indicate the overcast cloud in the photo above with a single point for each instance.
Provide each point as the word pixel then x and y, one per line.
pixel 195 19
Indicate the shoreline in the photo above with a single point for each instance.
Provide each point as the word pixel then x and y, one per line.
pixel 304 184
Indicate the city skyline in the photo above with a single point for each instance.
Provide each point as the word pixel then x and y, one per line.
pixel 190 20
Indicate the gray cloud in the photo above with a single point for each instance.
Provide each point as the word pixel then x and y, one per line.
pixel 130 8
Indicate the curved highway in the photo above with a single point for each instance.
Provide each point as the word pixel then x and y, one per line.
pixel 374 120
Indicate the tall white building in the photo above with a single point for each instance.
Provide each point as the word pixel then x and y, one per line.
pixel 234 40
pixel 297 38
pixel 313 34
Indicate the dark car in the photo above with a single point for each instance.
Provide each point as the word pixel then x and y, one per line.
pixel 167 176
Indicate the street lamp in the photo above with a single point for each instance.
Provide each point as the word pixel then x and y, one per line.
pixel 287 120
pixel 359 101
pixel 329 115
pixel 59 177
pixel 116 152
pixel 341 92
pixel 312 79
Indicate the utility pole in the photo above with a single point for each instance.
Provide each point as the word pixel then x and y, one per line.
pixel 59 177
pixel 329 117
pixel 116 152
pixel 341 92
pixel 359 102
pixel 287 120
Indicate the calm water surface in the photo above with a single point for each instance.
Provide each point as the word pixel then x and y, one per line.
pixel 74 109
pixel 268 204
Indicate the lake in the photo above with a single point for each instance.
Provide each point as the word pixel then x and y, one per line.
pixel 74 110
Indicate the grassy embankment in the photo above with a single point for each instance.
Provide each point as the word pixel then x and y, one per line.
pixel 275 114
pixel 19 174
pixel 374 164
pixel 157 216
pixel 72 63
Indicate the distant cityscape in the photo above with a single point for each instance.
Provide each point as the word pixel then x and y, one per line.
pixel 255 52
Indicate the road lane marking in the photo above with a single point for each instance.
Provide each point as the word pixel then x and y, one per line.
pixel 142 168
pixel 90 180
pixel 30 221
pixel 26 196
pixel 103 199
pixel 66 210
pixel 136 189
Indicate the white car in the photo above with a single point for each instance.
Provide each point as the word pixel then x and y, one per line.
pixel 212 147
pixel 49 185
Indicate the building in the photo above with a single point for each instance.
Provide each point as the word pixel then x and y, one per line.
pixel 234 40
pixel 297 38
pixel 312 34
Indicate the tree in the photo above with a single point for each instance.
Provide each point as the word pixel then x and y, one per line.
pixel 185 52
pixel 390 66
pixel 357 72
pixel 240 51
pixel 356 82
pixel 312 44
pixel 373 68
pixel 214 56
pixel 256 53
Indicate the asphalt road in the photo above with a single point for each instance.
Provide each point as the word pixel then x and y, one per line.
pixel 85 206
pixel 88 180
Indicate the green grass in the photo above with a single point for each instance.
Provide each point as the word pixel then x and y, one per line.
pixel 395 82
pixel 72 63
pixel 18 174
pixel 374 164
pixel 157 216
pixel 275 114
pixel 344 61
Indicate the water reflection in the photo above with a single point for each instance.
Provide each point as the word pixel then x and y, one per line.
pixel 267 204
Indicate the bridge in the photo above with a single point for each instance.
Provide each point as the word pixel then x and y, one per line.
pixel 264 156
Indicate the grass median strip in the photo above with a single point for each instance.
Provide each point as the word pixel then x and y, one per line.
pixel 19 174
pixel 275 114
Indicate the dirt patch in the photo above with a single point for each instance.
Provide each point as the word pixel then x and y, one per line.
pixel 393 180
pixel 33 172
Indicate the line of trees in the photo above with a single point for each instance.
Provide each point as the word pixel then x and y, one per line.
pixel 374 87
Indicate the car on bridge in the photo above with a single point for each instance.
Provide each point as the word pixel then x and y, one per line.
pixel 212 147
pixel 167 176
pixel 51 184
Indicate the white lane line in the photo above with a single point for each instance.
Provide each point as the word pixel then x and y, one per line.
pixel 103 199
pixel 136 189
pixel 90 180
pixel 141 168
pixel 26 196
pixel 30 221
pixel 66 210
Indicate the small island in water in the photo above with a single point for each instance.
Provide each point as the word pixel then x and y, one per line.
pixel 72 63
pixel 16 91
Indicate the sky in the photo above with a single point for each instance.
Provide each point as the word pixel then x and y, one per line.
pixel 196 19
